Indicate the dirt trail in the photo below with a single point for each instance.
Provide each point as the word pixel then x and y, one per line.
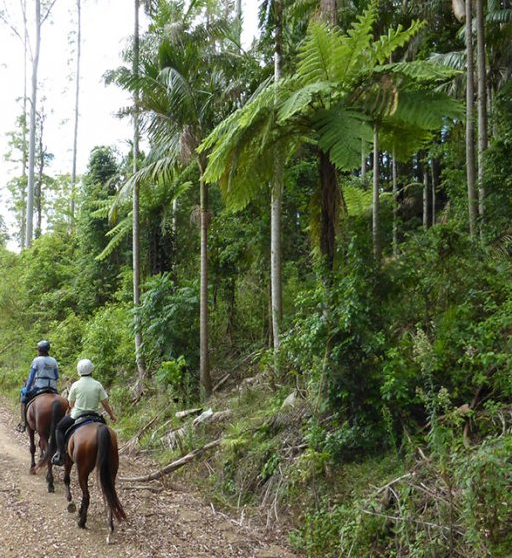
pixel 172 523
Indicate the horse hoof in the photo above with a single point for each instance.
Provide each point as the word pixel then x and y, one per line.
pixel 51 489
pixel 71 507
pixel 33 470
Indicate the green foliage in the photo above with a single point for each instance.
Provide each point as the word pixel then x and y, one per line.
pixel 169 317
pixel 108 342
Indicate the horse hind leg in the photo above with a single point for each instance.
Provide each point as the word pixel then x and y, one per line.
pixel 84 506
pixel 49 478
pixel 67 486
pixel 31 437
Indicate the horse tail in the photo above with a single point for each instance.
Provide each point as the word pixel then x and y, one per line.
pixel 104 464
pixel 51 447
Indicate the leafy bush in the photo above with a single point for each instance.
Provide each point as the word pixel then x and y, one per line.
pixel 108 342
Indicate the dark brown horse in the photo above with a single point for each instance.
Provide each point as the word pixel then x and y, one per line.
pixel 43 414
pixel 94 445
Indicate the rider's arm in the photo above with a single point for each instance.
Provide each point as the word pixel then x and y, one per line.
pixel 106 406
pixel 30 379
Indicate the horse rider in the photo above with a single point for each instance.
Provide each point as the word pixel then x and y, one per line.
pixel 85 396
pixel 43 375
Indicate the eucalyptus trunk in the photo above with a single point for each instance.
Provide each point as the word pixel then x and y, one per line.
pixel 76 115
pixel 29 229
pixel 375 196
pixel 204 361
pixel 470 124
pixel 276 202
pixel 141 368
pixel 482 109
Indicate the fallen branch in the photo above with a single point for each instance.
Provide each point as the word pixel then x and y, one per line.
pixel 175 464
pixel 221 382
pixel 131 444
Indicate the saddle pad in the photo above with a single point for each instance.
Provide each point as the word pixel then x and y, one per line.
pixel 81 421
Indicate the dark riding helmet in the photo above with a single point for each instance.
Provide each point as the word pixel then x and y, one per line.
pixel 43 346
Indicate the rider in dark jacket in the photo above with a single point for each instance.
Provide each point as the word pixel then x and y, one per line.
pixel 44 373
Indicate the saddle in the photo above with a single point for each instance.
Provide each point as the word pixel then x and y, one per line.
pixel 82 421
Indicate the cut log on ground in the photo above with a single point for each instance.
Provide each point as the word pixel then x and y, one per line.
pixel 175 464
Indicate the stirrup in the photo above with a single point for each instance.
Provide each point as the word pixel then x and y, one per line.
pixel 21 427
pixel 58 459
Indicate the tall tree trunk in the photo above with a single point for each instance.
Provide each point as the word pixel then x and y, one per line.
pixel 470 124
pixel 328 11
pixel 38 187
pixel 375 196
pixel 24 156
pixel 238 19
pixel 32 128
pixel 204 364
pixel 426 193
pixel 330 194
pixel 363 159
pixel 141 368
pixel 482 109
pixel 434 190
pixel 77 98
pixel 276 202
pixel 394 172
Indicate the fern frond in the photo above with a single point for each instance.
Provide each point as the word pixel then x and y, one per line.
pixel 420 71
pixel 301 98
pixel 428 109
pixel 356 45
pixel 357 201
pixel 340 133
pixel 321 51
pixel 396 38
pixel 119 233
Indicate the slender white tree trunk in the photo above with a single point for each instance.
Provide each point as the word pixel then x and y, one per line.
pixel 363 159
pixel 470 124
pixel 141 368
pixel 204 364
pixel 482 109
pixel 77 98
pixel 29 230
pixel 276 202
pixel 375 196
pixel 425 196
pixel 394 171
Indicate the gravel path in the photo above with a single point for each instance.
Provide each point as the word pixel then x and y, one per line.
pixel 169 522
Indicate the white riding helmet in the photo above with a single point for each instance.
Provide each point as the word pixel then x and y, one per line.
pixel 85 367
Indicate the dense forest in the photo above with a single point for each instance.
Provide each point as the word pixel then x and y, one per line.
pixel 309 241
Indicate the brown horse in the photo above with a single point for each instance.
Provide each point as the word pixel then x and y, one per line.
pixel 94 445
pixel 43 414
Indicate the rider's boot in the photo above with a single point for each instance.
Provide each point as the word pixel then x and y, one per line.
pixel 23 424
pixel 58 456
